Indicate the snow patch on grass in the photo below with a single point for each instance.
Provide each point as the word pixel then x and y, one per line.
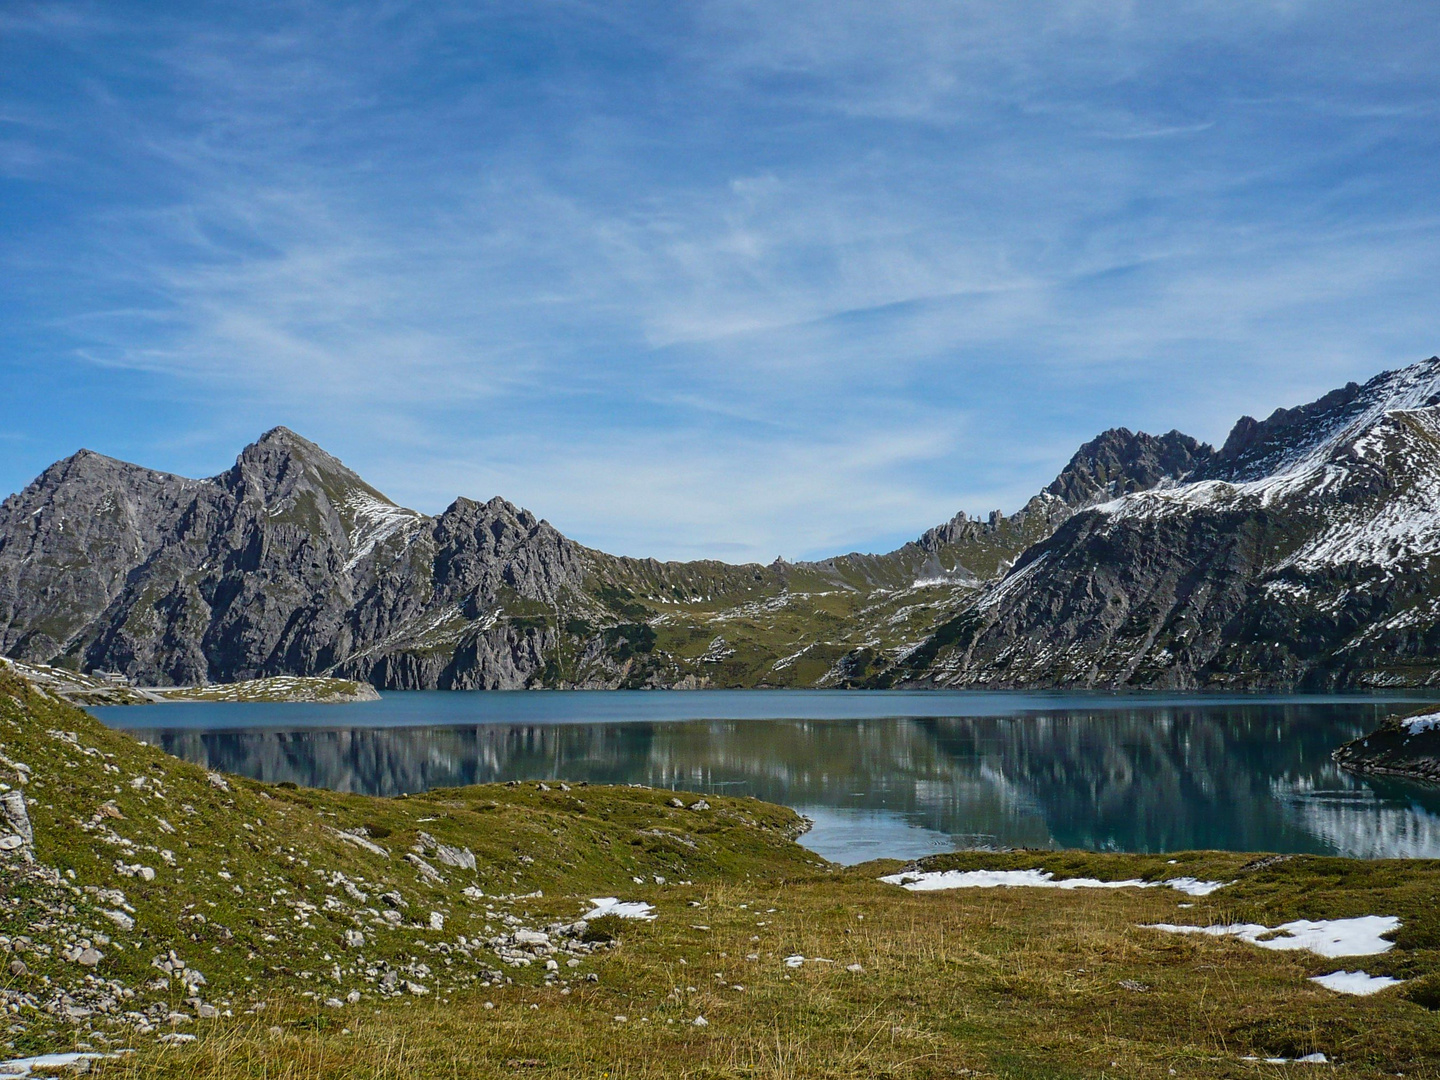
pixel 1324 937
pixel 936 880
pixel 621 909
pixel 1355 982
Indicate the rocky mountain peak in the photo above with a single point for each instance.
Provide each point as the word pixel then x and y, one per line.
pixel 87 463
pixel 280 464
pixel 1119 461
pixel 1126 570
pixel 1294 439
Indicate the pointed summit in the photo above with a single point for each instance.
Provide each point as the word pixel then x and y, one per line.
pixel 280 463
pixel 1120 461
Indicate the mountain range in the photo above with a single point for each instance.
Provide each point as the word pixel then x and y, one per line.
pixel 1298 555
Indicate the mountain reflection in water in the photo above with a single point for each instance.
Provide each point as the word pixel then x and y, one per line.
pixel 1125 776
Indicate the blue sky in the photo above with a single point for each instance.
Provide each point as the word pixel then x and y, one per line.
pixel 730 279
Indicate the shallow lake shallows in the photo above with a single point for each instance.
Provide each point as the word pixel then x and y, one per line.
pixel 881 773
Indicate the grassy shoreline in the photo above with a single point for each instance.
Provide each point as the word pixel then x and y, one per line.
pixel 83 689
pixel 290 886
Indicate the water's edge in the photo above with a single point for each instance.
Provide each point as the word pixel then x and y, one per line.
pixel 895 773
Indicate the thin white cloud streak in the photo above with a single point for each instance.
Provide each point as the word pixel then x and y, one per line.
pixel 673 496
pixel 1042 240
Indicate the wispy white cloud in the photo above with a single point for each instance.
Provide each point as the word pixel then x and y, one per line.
pixel 741 279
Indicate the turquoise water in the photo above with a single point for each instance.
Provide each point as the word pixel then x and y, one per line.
pixel 894 774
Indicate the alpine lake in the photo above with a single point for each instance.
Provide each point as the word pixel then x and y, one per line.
pixel 893 774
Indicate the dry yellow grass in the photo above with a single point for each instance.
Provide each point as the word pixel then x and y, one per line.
pixel 982 983
pixel 994 983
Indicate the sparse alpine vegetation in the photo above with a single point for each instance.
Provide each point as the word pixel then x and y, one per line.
pixel 112 688
pixel 142 893
pixel 203 926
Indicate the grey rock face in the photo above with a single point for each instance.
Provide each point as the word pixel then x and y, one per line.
pixel 288 563
pixel 1116 463
pixel 1120 462
pixel 1299 556
pixel 69 541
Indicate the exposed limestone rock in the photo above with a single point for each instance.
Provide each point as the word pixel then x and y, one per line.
pixel 1297 555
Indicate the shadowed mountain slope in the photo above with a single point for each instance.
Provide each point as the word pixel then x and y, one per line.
pixel 1301 554
pixel 1296 555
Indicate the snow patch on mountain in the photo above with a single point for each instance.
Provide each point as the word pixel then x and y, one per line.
pixel 1407 524
pixel 1010 583
pixel 1427 722
pixel 1402 441
pixel 374 522
pixel 1410 388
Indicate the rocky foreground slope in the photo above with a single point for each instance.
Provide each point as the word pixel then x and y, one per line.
pixel 157 920
pixel 141 895
pixel 1297 555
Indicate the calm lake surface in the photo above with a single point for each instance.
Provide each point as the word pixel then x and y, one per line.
pixel 882 773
